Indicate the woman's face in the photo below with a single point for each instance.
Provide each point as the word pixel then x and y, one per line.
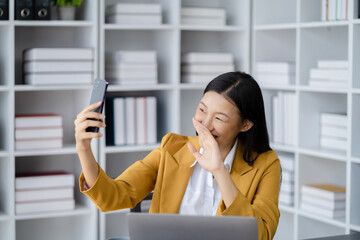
pixel 221 117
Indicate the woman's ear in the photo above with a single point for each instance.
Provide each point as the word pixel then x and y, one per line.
pixel 247 124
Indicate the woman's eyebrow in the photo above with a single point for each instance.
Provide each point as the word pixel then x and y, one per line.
pixel 221 113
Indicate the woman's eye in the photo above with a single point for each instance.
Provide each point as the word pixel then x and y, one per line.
pixel 217 118
pixel 201 110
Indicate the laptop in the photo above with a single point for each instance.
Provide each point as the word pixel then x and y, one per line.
pixel 144 226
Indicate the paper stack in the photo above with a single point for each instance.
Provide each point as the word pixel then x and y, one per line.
pixel 132 67
pixel 324 199
pixel 134 13
pixel 131 121
pixel 275 73
pixel 330 73
pixel 283 118
pixel 203 16
pixel 333 131
pixel 286 195
pixel 44 192
pixel 202 67
pixel 52 66
pixel 38 132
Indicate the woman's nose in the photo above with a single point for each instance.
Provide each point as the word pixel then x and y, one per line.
pixel 207 122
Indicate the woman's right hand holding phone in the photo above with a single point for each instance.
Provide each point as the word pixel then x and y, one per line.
pixel 82 122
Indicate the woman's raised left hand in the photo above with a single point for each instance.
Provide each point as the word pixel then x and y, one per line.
pixel 211 159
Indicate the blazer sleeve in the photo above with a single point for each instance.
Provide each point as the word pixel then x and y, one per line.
pixel 264 205
pixel 133 185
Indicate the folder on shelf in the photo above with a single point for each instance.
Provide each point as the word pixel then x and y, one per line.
pixel 58 66
pixel 24 10
pixel 42 9
pixel 58 54
pixel 4 9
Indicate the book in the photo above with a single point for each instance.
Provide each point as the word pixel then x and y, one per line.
pixel 44 180
pixel 39 133
pixel 131 57
pixel 38 144
pixel 130 120
pixel 133 19
pixel 203 12
pixel 58 66
pixel 207 68
pixel 204 21
pixel 275 78
pixel 133 81
pixel 207 57
pixel 326 191
pixel 322 202
pixel 123 66
pixel 286 198
pixel 330 74
pixel 275 67
pixel 197 78
pixel 334 119
pixel 328 83
pixel 38 120
pixel 340 213
pixel 333 131
pixel 287 187
pixel 119 119
pixel 141 128
pixel 287 176
pixel 130 74
pixel 57 54
pixel 38 195
pixel 333 64
pixel 46 206
pixel 333 143
pixel 287 162
pixel 58 78
pixel 151 120
pixel 134 8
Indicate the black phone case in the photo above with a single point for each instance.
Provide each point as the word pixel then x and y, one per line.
pixel 98 94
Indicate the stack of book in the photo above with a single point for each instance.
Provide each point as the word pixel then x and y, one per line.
pixel 131 67
pixel 286 195
pixel 131 120
pixel 54 66
pixel 283 118
pixel 334 10
pixel 324 199
pixel 275 73
pixel 134 13
pixel 202 67
pixel 330 73
pixel 38 132
pixel 203 16
pixel 333 131
pixel 44 192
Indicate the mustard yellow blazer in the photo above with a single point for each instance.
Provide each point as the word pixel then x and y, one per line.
pixel 166 171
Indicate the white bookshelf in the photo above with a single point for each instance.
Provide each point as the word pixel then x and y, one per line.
pixel 176 101
pixel 293 31
pixel 17 98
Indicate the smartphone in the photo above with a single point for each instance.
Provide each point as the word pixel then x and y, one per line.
pixel 98 95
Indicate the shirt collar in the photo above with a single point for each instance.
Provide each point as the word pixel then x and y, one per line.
pixel 230 157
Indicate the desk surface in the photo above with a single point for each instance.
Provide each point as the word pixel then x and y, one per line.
pixel 353 236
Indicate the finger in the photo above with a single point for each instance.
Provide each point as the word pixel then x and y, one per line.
pixel 200 128
pixel 84 116
pixel 91 107
pixel 194 152
pixel 90 123
pixel 205 136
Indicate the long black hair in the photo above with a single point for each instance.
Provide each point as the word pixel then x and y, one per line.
pixel 242 89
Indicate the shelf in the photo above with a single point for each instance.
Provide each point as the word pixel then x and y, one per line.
pixel 269 27
pixel 67 149
pixel 333 222
pixel 324 153
pixel 117 88
pixel 4 23
pixel 287 209
pixel 30 88
pixel 4 88
pixel 53 23
pixel 140 148
pixel 356 21
pixel 111 26
pixel 79 210
pixel 356 90
pixel 355 228
pixel 3 216
pixel 323 89
pixel 283 148
pixel 4 154
pixel 212 28
pixel 193 86
pixel 355 160
pixel 324 24
pixel 280 88
pixel 122 211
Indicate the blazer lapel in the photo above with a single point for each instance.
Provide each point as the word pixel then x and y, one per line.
pixel 177 178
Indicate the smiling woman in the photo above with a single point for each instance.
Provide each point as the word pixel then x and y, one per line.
pixel 228 169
